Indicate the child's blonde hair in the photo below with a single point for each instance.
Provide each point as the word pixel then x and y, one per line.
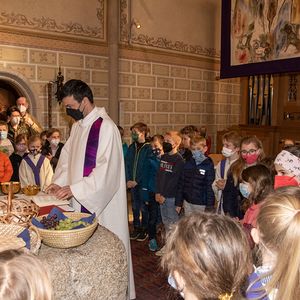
pixel 278 223
pixel 198 139
pixel 23 277
pixel 175 136
pixel 211 253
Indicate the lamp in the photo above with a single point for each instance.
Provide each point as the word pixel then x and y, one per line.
pixel 134 23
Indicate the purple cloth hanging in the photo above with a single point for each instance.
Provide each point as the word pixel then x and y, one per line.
pixel 91 152
pixel 35 168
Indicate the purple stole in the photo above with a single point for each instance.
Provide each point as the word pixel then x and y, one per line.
pixel 35 168
pixel 91 151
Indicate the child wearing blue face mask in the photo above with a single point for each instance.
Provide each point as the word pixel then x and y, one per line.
pixel 195 191
pixel 257 183
pixel 5 144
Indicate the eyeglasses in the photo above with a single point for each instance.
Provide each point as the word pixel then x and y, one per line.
pixel 251 151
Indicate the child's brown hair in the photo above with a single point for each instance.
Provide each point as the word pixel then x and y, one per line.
pixel 232 137
pixel 260 179
pixel 211 253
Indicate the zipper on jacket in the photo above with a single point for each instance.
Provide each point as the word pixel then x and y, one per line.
pixel 137 154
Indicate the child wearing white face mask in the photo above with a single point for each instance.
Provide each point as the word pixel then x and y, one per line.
pixel 35 168
pixel 52 147
pixel 5 144
pixel 231 147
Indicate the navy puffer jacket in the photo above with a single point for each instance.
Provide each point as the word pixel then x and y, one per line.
pixel 195 184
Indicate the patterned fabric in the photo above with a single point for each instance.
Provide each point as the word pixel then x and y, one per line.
pixel 289 162
pixel 91 151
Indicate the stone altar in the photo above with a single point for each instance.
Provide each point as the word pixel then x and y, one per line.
pixel 95 270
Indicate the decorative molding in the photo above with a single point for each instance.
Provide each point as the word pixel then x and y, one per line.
pixel 159 42
pixel 50 25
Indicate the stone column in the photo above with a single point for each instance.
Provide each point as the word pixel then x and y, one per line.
pixel 113 59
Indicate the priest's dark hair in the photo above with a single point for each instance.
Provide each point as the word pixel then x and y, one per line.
pixel 78 89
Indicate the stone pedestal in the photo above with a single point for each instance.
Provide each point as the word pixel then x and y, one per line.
pixel 96 270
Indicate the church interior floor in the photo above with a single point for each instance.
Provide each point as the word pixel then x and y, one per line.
pixel 150 280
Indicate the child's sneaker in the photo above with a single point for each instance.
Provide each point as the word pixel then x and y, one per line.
pixel 134 234
pixel 153 245
pixel 161 252
pixel 142 236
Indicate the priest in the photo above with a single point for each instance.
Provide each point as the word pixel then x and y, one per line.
pixel 90 169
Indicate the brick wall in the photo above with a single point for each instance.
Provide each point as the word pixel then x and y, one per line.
pixel 166 96
pixel 39 67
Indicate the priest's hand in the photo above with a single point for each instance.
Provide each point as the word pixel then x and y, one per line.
pixel 52 188
pixel 64 193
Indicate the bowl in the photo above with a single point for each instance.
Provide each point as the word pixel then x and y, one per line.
pixel 5 187
pixel 68 238
pixel 31 190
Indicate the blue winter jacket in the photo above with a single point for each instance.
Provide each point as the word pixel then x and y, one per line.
pixel 195 184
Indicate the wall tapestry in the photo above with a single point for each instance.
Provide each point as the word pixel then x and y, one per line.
pixel 260 37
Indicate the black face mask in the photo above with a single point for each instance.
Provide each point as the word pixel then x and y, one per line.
pixel 167 147
pixel 76 114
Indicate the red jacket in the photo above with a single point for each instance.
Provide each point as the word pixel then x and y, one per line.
pixel 6 169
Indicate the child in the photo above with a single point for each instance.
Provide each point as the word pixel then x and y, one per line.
pixel 195 184
pixel 278 236
pixel 35 168
pixel 208 256
pixel 187 133
pixel 251 153
pixel 256 184
pixel 5 144
pixel 17 156
pixel 124 144
pixel 6 169
pixel 153 206
pixel 287 165
pixel 231 148
pixel 52 147
pixel 23 277
pixel 171 167
pixel 287 143
pixel 137 178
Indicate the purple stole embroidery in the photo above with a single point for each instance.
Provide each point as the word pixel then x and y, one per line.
pixel 35 168
pixel 91 151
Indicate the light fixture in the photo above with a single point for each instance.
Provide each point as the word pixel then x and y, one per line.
pixel 134 24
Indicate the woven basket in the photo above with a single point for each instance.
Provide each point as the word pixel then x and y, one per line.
pixel 68 238
pixel 17 211
pixel 13 230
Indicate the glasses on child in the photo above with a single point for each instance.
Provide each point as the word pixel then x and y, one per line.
pixel 251 151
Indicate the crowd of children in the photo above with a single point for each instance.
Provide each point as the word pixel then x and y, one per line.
pixel 24 155
pixel 174 181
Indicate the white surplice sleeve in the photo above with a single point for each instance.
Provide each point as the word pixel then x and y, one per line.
pixel 97 190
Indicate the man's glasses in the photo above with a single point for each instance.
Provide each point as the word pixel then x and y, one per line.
pixel 251 151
